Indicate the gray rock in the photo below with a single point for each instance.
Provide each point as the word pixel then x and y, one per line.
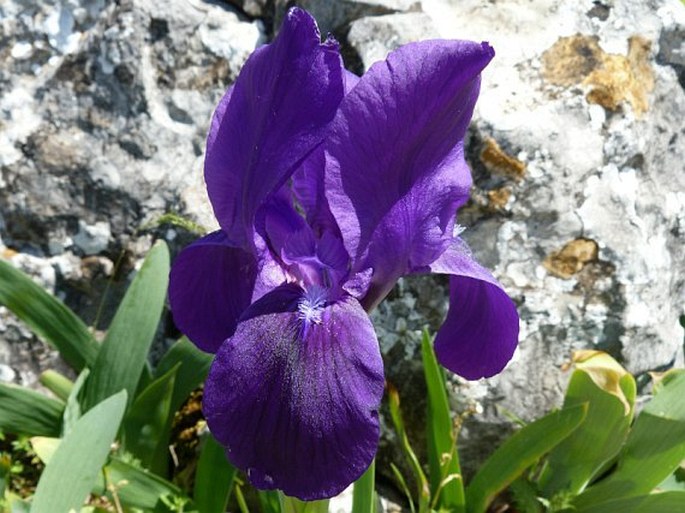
pixel 578 202
pixel 333 17
pixel 373 37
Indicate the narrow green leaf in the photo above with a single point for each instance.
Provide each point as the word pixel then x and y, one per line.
pixel 147 425
pixel 73 411
pixel 57 383
pixel 525 496
pixel 214 478
pixel 364 493
pixel 609 392
pixel 654 449
pixel 193 371
pixel 447 487
pixel 268 500
pixel 69 477
pixel 47 317
pixel 23 411
pixel 124 350
pixel 520 451
pixel 396 415
pixel 667 502
pixel 135 487
pixel 45 447
pixel 293 505
pixel 403 486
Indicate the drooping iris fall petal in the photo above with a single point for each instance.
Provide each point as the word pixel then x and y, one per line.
pixel 211 285
pixel 269 121
pixel 293 395
pixel 395 170
pixel 480 333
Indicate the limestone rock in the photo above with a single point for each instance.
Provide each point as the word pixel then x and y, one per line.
pixel 373 37
pixel 334 17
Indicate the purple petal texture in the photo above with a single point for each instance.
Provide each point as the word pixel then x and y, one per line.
pixel 395 169
pixel 269 121
pixel 480 333
pixel 210 286
pixel 293 395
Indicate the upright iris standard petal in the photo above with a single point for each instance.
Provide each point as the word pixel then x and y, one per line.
pixel 269 121
pixel 211 284
pixel 395 170
pixel 294 394
pixel 480 334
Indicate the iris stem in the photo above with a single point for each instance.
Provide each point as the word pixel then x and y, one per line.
pixel 293 505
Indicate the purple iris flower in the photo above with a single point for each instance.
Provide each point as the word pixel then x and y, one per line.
pixel 328 188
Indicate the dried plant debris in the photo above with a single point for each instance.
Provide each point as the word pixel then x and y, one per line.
pixel 612 79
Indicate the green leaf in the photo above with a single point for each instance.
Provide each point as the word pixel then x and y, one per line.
pixel 268 500
pixel 45 447
pixel 135 487
pixel 293 505
pixel 193 371
pixel 69 477
pixel 72 411
pixel 23 411
pixel 364 495
pixel 447 487
pixel 147 425
pixel 523 449
pixel 57 383
pixel 396 415
pixel 667 502
pixel 47 317
pixel 124 350
pixel 609 392
pixel 654 449
pixel 214 478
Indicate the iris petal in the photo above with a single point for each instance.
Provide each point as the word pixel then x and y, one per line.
pixel 295 401
pixel 480 333
pixel 212 283
pixel 269 121
pixel 395 169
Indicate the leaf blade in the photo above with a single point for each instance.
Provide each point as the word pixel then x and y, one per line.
pixel 47 317
pixel 69 477
pixel 519 452
pixel 214 478
pixel 443 458
pixel 27 412
pixel 122 357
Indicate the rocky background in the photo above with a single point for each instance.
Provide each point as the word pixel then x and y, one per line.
pixel 577 150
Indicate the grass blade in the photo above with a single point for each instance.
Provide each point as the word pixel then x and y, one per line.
pixel 135 487
pixel 73 469
pixel 667 502
pixel 519 452
pixel 27 412
pixel 447 488
pixel 57 383
pixel 147 425
pixel 214 478
pixel 47 317
pixel 364 493
pixel 192 372
pixel 396 415
pixel 122 357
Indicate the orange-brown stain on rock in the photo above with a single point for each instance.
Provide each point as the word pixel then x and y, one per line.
pixel 8 253
pixel 498 198
pixel 612 79
pixel 571 258
pixel 497 161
